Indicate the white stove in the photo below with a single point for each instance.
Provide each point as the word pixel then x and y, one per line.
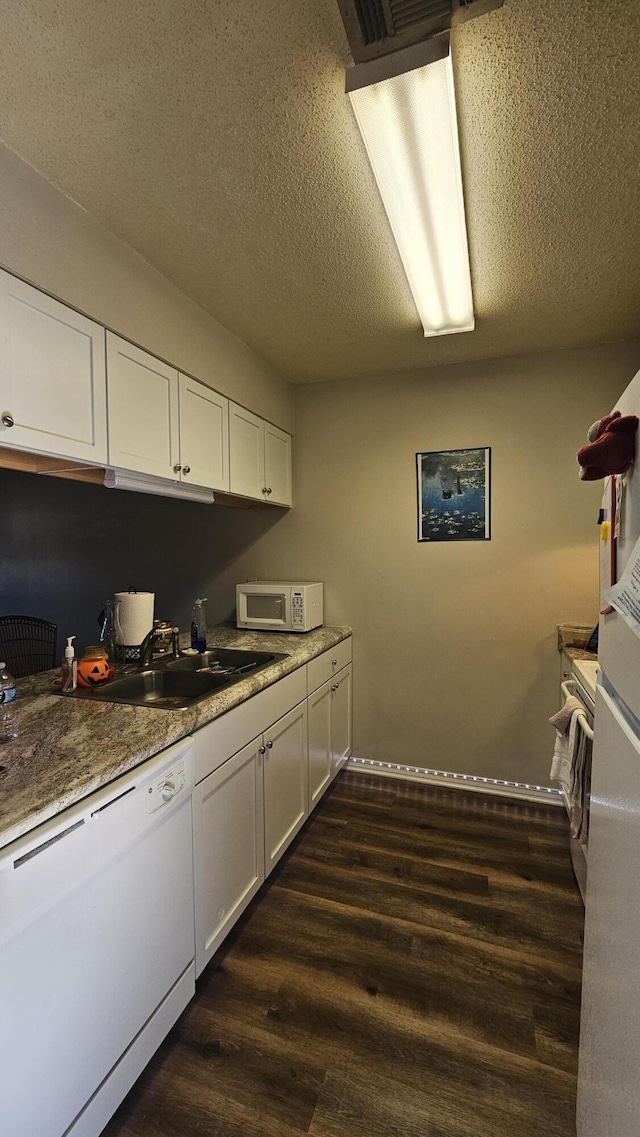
pixel 585 672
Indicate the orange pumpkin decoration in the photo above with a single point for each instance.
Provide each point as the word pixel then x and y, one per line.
pixel 94 668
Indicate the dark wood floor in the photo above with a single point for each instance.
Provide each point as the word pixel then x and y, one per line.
pixel 411 969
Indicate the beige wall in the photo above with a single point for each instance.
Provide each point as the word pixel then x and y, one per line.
pixel 456 665
pixel 53 243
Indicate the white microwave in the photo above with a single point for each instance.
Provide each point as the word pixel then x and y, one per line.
pixel 279 605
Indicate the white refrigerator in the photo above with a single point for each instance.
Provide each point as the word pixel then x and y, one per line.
pixel 609 1071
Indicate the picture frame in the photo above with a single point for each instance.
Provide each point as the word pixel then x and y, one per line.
pixel 453 494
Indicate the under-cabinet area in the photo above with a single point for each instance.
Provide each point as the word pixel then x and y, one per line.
pixel 98 955
pixel 71 389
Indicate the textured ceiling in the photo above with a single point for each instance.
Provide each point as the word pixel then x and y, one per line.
pixel 214 137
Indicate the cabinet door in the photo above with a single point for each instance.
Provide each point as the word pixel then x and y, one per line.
pixel 143 411
pixel 341 691
pixel 52 375
pixel 246 452
pixel 204 435
pixel 285 782
pixel 228 834
pixel 320 757
pixel 277 465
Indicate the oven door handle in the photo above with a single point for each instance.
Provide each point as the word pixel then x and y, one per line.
pixel 582 719
pixel 564 687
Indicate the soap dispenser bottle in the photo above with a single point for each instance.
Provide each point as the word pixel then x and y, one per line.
pixel 69 667
pixel 199 626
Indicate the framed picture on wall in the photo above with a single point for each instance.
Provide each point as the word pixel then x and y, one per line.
pixel 453 495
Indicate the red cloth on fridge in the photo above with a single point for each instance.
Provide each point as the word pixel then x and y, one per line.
pixel 611 449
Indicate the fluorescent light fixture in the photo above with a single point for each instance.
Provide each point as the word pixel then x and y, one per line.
pixel 406 111
pixel 161 487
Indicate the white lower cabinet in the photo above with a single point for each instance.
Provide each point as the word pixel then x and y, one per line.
pixel 329 732
pixel 228 830
pixel 245 814
pixel 285 782
pixel 341 717
pixel 320 763
pixel 258 783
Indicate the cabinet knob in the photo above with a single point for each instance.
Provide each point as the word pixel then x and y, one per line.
pixel 335 686
pixel 177 468
pixel 334 662
pixel 7 419
pixel 265 490
pixel 269 745
pixel 186 469
pixel 269 490
pixel 262 750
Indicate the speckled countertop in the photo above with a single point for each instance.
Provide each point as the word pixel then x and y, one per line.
pixel 574 653
pixel 67 748
pixel 571 641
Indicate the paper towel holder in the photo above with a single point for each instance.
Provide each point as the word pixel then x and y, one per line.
pixel 127 652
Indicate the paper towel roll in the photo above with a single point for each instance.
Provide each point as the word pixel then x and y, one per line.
pixel 133 616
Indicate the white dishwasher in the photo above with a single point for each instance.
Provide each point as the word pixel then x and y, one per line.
pixel 96 949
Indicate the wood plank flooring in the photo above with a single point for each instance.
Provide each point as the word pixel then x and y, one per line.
pixel 410 969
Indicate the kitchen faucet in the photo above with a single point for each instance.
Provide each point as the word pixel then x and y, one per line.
pixel 147 645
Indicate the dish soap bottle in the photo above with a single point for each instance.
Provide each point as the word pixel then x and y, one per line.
pixel 8 717
pixel 69 667
pixel 199 626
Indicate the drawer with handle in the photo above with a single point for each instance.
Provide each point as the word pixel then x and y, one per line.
pixel 320 669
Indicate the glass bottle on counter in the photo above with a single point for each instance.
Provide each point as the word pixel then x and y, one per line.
pixel 107 630
pixel 199 625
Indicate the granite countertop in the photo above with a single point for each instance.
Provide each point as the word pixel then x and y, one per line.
pixel 571 641
pixel 574 653
pixel 68 748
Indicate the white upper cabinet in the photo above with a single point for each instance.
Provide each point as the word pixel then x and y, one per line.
pixel 143 411
pixel 52 376
pixel 277 465
pixel 246 445
pixel 73 390
pixel 260 458
pixel 204 435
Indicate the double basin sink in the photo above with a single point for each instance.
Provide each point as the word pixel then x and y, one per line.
pixel 180 682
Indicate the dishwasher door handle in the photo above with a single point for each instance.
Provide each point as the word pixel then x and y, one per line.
pixel 47 844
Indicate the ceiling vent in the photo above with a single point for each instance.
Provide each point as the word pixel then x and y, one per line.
pixel 377 27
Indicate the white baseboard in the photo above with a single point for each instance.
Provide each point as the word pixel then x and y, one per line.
pixel 518 790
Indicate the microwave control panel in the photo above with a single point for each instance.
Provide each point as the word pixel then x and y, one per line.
pixel 297 608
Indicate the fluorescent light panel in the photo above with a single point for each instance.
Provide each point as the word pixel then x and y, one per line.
pixel 159 487
pixel 409 127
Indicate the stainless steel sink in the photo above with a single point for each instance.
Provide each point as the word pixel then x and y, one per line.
pixel 155 688
pixel 180 682
pixel 232 662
